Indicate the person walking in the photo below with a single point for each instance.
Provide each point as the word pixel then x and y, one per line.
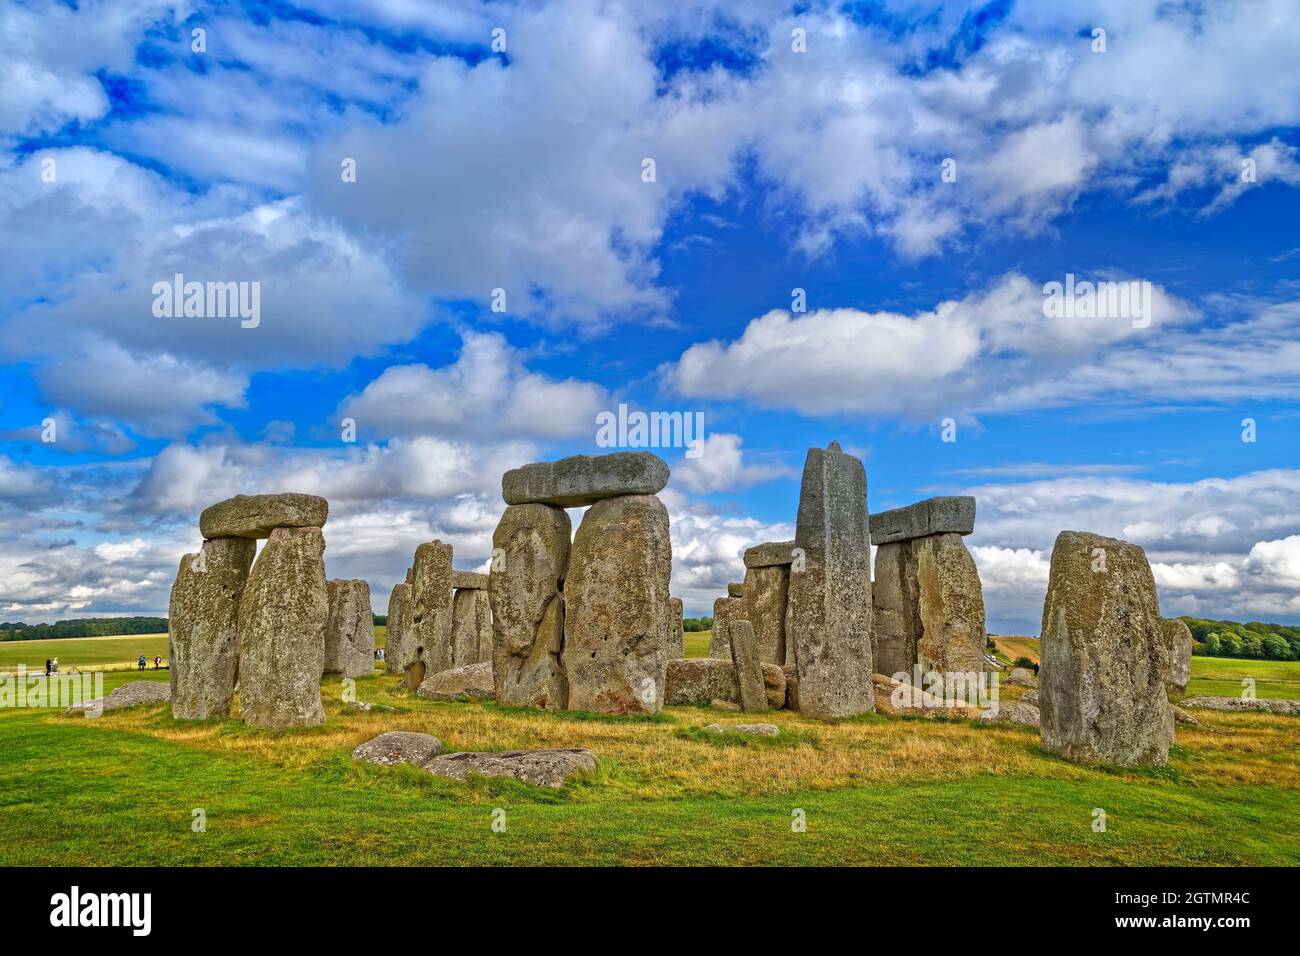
pixel 157 662
pixel 47 667
pixel 140 662
pixel 54 665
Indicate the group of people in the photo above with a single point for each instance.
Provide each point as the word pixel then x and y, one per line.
pixel 51 666
pixel 141 663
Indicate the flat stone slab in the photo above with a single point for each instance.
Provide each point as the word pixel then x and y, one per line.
pixel 1265 705
pixel 585 479
pixel 128 695
pixel 945 515
pixel 770 554
pixel 470 580
pixel 471 680
pixel 759 730
pixel 894 698
pixel 399 746
pixel 256 516
pixel 1012 712
pixel 541 768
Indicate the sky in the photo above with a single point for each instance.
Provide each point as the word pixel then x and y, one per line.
pixel 474 227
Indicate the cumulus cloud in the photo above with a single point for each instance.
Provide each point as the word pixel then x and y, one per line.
pixel 721 466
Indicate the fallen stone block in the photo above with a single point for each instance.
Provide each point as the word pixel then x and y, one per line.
pixel 750 730
pixel 130 694
pixel 1263 705
pixel 1022 677
pixel 471 680
pixel 1012 712
pixel 541 768
pixel 399 746
pixel 698 681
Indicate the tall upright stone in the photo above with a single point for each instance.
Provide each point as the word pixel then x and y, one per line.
pixel 203 627
pixel 349 629
pixel 763 605
pixel 398 630
pixel 950 604
pixel 749 669
pixel 896 604
pixel 1177 638
pixel 830 587
pixel 724 610
pixel 471 627
pixel 676 632
pixel 616 607
pixel 430 642
pixel 530 549
pixel 1101 682
pixel 282 615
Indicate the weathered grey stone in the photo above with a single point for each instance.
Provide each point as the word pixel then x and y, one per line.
pixel 398 746
pixel 749 669
pixel 735 590
pixel 585 479
pixel 770 554
pixel 764 605
pixel 791 674
pixel 719 704
pixel 896 624
pixel 256 516
pixel 831 596
pixel 1177 637
pixel 616 607
pixel 541 768
pixel 466 580
pixel 791 645
pixel 282 618
pixel 945 515
pixel 950 605
pixel 469 680
pixel 724 609
pixel 130 694
pixel 531 558
pixel 676 633
pixel 430 640
pixel 745 730
pixel 1012 712
pixel 397 633
pixel 1030 697
pixel 1267 705
pixel 1022 677
pixel 1101 680
pixel 471 627
pixel 349 629
pixel 1183 717
pixel 203 628
pixel 698 681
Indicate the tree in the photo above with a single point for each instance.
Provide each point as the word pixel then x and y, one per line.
pixel 1276 649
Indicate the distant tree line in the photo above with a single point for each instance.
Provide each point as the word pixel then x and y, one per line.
pixel 697 624
pixel 83 627
pixel 1255 640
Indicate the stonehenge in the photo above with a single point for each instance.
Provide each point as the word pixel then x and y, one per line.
pixel 830 590
pixel 398 629
pixel 428 644
pixel 1177 637
pixel 349 629
pixel 749 669
pixel 1101 680
pixel 676 632
pixel 724 610
pixel 765 600
pixel 927 599
pixel 585 479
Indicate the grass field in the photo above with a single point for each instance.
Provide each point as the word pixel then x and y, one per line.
pixel 697 643
pixel 121 790
pixel 83 651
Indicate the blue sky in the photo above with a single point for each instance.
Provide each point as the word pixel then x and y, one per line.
pixel 521 169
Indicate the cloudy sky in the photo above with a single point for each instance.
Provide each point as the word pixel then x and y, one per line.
pixel 919 170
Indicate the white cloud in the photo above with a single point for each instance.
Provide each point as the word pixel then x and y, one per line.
pixel 721 467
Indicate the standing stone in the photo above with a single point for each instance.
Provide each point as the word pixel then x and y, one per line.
pixel 1101 683
pixel 831 595
pixel 282 616
pixel 471 627
pixel 256 516
pixel 349 629
pixel 530 548
pixel 397 632
pixel 724 609
pixel 950 605
pixel 430 640
pixel 1177 637
pixel 791 659
pixel 749 669
pixel 896 604
pixel 763 605
pixel 585 479
pixel 616 607
pixel 203 627
pixel 676 632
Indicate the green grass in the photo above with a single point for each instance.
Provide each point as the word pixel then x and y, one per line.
pixel 83 651
pixel 120 790
pixel 1221 677
pixel 697 643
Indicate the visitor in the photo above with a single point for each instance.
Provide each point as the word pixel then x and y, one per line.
pixel 140 662
pixel 54 665
pixel 47 667
pixel 157 662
